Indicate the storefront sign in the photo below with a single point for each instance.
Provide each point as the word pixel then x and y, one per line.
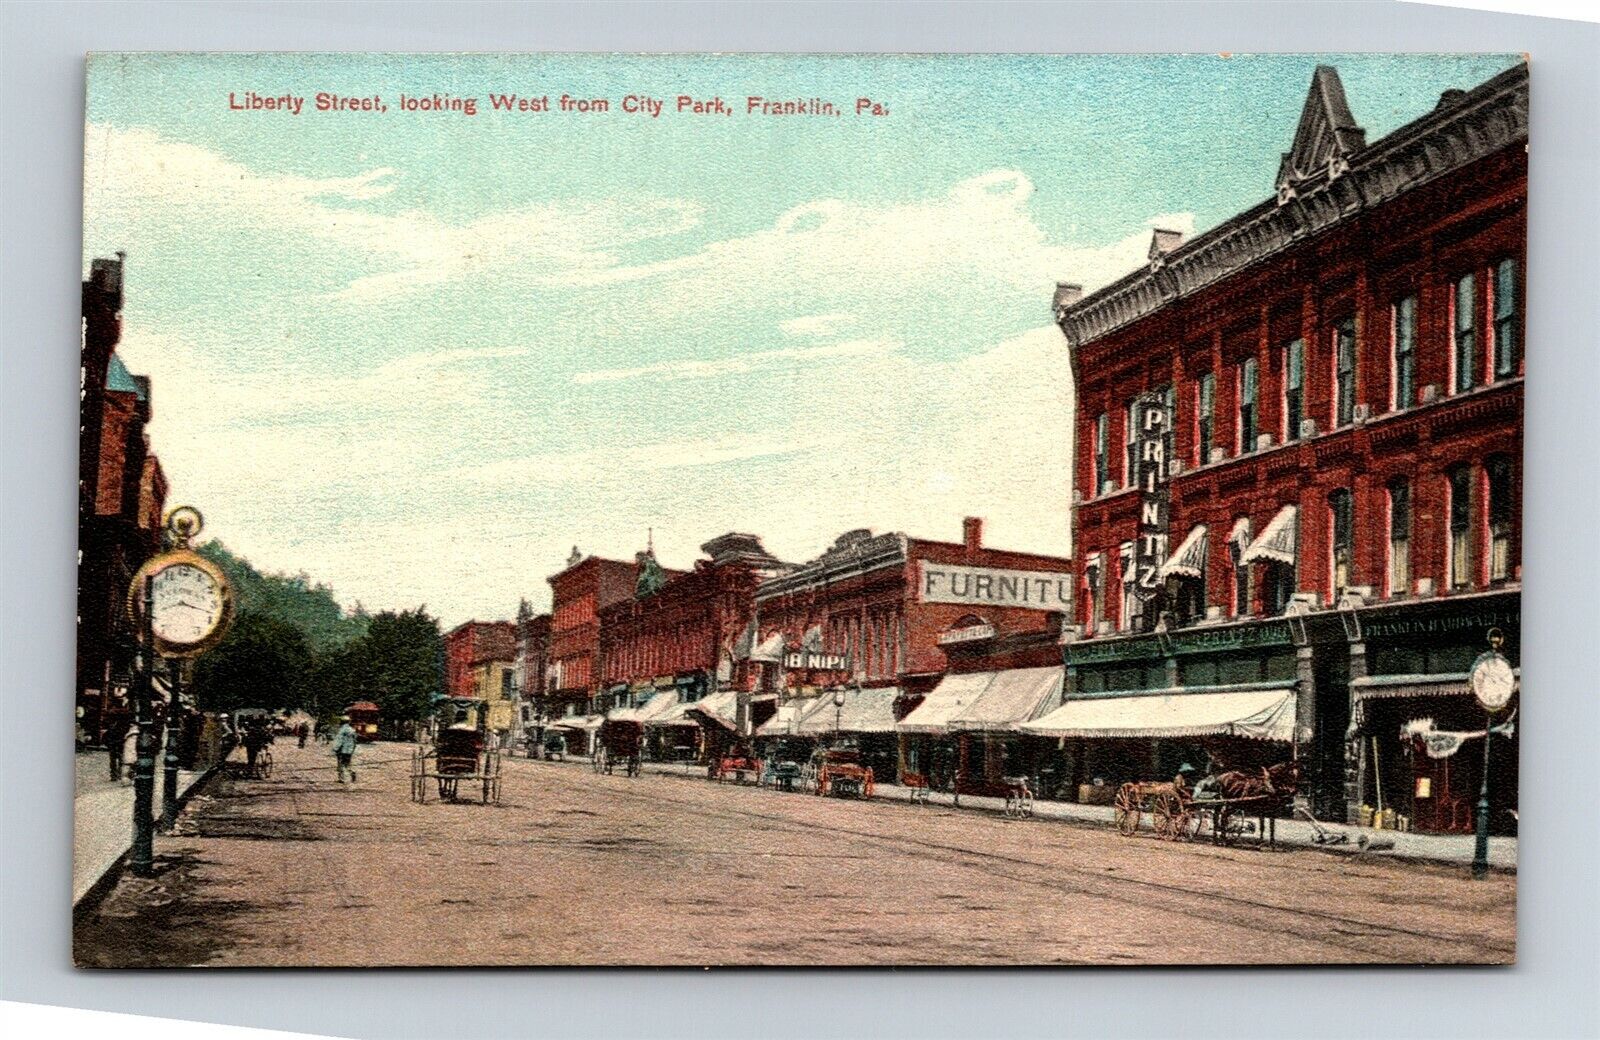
pixel 990 586
pixel 969 634
pixel 1153 424
pixel 812 660
pixel 1237 637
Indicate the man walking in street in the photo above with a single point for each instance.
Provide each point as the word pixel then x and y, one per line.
pixel 344 749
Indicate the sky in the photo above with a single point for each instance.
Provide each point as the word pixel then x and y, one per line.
pixel 422 355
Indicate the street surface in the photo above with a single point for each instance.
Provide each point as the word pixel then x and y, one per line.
pixel 579 868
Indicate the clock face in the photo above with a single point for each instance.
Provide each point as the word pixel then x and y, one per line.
pixel 1493 681
pixel 188 604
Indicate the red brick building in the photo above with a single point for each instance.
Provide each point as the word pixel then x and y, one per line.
pixel 587 586
pixel 1299 442
pixel 532 659
pixel 881 610
pixel 121 495
pixel 470 645
pixel 684 634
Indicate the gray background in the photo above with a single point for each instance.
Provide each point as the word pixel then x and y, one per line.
pixel 1552 990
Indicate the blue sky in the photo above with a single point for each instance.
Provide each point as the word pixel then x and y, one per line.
pixel 422 355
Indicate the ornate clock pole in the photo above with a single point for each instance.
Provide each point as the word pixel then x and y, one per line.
pixel 1493 682
pixel 183 606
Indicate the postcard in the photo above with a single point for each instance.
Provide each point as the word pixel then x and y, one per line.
pixel 732 510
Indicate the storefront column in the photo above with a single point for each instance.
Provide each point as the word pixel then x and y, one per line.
pixel 1305 721
pixel 1355 763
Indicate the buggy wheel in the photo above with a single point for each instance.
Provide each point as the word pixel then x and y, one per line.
pixel 1172 819
pixel 1127 806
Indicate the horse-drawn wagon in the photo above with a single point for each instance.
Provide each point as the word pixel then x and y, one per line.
pixel 620 743
pixel 1224 803
pixel 460 753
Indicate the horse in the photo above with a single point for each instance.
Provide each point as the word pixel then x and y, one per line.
pixel 1282 779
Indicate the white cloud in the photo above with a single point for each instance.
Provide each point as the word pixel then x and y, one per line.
pixel 690 368
pixel 817 325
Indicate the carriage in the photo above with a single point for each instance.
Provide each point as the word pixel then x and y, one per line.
pixel 1230 804
pixel 839 772
pixel 620 744
pixel 460 753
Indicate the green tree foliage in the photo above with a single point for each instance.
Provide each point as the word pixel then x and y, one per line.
pixel 261 663
pixel 293 599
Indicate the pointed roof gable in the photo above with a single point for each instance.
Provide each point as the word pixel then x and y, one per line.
pixel 1325 139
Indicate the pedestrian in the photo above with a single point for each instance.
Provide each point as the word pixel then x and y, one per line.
pixel 344 749
pixel 118 721
pixel 257 735
pixel 302 731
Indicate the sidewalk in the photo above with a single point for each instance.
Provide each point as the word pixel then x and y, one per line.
pixel 102 818
pixel 1453 849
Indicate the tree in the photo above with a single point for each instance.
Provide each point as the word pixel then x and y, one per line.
pixel 296 599
pixel 402 656
pixel 261 663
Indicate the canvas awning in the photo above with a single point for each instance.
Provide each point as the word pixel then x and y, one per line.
pixel 864 711
pixel 1189 561
pixel 1260 713
pixel 783 721
pixel 1240 535
pixel 583 722
pixel 954 694
pixel 1014 696
pixel 720 708
pixel 1278 540
pixel 1445 684
pixel 675 715
pixel 770 649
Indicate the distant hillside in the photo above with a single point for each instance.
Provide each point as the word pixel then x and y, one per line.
pixel 293 600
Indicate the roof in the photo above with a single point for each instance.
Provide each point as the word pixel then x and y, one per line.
pixel 1255 711
pixel 854 552
pixel 1329 176
pixel 118 378
pixel 1014 696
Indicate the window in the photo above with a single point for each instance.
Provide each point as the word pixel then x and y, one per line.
pixel 1399 572
pixel 1102 454
pixel 1502 511
pixel 1277 586
pixel 1294 389
pixel 1460 487
pixel 1344 372
pixel 1205 411
pixel 1247 405
pixel 1130 467
pixel 1091 596
pixel 1340 523
pixel 1464 339
pixel 1130 602
pixel 1506 333
pixel 1241 575
pixel 1402 388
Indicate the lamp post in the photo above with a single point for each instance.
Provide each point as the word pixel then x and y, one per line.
pixel 1493 682
pixel 169 778
pixel 142 856
pixel 838 713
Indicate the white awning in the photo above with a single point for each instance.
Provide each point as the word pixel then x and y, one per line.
pixel 770 649
pixel 1261 714
pixel 1189 560
pixel 1240 535
pixel 783 721
pixel 864 711
pixel 1015 696
pixel 720 708
pixel 1447 684
pixel 953 694
pixel 1278 541
pixel 583 722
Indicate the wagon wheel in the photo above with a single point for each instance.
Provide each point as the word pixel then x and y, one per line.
pixel 1174 821
pixel 1221 819
pixel 1127 805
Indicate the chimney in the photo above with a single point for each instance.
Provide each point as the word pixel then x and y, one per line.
pixel 1067 294
pixel 972 533
pixel 1164 241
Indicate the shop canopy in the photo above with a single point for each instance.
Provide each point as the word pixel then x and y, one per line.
pixel 675 715
pixel 864 711
pixel 1278 540
pixel 953 695
pixel 721 708
pixel 782 723
pixel 1257 712
pixel 1189 561
pixel 1440 685
pixel 583 722
pixel 1014 696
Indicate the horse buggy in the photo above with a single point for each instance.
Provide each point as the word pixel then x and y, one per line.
pixel 460 753
pixel 1230 804
pixel 734 765
pixel 840 772
pixel 785 766
pixel 619 745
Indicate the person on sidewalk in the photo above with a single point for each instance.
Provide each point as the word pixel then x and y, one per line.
pixel 302 731
pixel 344 749
pixel 118 722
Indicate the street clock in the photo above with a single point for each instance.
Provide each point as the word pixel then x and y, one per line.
pixel 190 599
pixel 1492 678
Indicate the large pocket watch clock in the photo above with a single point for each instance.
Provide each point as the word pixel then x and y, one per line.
pixel 191 603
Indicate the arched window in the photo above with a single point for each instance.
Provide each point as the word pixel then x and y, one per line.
pixel 1464 334
pixel 1459 486
pixel 1398 571
pixel 1403 374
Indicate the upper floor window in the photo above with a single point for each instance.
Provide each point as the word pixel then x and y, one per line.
pixel 1247 386
pixel 1399 569
pixel 1344 372
pixel 1237 544
pixel 1130 466
pixel 1460 563
pixel 1294 388
pixel 1341 525
pixel 1464 335
pixel 1502 513
pixel 1102 454
pixel 1506 332
pixel 1402 387
pixel 1205 416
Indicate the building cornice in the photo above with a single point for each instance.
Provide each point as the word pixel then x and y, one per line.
pixel 1483 121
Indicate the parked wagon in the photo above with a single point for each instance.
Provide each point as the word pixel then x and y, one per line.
pixel 839 772
pixel 735 765
pixel 1230 804
pixel 461 753
pixel 620 745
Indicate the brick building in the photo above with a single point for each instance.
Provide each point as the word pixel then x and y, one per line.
pixel 880 611
pixel 531 660
pixel 1298 464
pixel 579 593
pixel 121 495
pixel 479 660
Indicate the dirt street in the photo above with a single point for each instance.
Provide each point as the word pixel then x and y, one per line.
pixel 578 868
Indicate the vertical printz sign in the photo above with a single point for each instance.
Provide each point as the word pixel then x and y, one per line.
pixel 1152 424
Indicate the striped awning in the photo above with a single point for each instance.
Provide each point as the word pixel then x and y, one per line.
pixel 1240 535
pixel 1278 541
pixel 1256 712
pixel 1444 684
pixel 1189 561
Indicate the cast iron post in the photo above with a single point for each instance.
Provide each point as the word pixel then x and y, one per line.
pixel 169 780
pixel 143 856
